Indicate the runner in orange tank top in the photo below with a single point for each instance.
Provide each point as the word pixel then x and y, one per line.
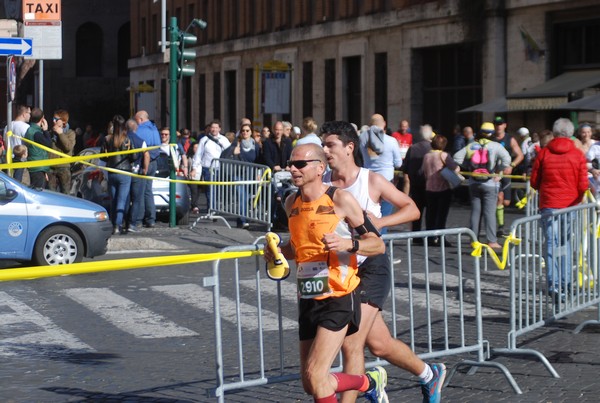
pixel 321 244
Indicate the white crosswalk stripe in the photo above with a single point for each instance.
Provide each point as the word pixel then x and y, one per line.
pixel 201 298
pixel 127 315
pixel 27 327
pixel 30 329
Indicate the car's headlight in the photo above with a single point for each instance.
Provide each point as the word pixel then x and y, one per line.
pixel 101 215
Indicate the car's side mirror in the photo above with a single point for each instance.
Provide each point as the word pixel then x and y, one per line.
pixel 9 195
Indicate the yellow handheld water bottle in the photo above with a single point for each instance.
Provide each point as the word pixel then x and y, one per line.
pixel 277 269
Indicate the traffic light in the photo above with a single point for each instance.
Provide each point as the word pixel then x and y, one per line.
pixel 186 57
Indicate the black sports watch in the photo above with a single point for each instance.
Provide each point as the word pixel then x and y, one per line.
pixel 355 246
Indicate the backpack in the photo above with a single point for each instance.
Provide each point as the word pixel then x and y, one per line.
pixel 478 161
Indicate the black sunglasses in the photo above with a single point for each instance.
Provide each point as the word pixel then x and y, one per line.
pixel 299 164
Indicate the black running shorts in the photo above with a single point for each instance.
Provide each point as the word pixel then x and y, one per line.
pixel 505 187
pixel 331 313
pixel 375 280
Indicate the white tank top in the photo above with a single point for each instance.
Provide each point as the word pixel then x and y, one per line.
pixel 360 190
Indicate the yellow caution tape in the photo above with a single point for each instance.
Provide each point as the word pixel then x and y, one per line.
pixel 501 264
pixel 67 159
pixel 267 175
pixel 499 175
pixel 30 273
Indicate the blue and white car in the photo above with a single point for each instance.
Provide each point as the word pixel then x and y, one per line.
pixel 49 228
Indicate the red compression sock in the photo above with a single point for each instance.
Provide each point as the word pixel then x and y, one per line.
pixel 328 399
pixel 351 382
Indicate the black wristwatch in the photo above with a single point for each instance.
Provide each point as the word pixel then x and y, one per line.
pixel 355 246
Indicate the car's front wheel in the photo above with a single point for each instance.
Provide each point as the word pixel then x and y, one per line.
pixel 58 245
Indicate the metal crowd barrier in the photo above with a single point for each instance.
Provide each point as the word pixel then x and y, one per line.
pixel 438 304
pixel 249 197
pixel 534 302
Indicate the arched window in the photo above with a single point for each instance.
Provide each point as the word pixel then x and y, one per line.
pixel 123 49
pixel 89 43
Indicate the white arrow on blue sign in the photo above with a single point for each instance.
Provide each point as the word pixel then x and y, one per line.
pixel 16 46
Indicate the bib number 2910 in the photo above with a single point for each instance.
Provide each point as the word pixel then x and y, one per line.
pixel 313 286
pixel 313 279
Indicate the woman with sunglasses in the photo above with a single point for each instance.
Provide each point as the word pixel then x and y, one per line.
pixel 243 148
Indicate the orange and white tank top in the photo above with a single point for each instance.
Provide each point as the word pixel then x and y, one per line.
pixel 320 273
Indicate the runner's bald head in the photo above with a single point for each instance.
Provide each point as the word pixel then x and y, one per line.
pixel 310 151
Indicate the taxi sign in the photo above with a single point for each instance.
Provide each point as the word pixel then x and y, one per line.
pixel 41 10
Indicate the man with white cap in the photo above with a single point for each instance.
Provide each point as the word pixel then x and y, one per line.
pixel 528 150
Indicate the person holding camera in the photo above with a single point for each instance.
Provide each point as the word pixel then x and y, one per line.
pixel 38 133
pixel 63 140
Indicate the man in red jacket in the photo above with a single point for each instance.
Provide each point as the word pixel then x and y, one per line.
pixel 560 175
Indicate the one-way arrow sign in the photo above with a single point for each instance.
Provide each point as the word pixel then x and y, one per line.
pixel 15 46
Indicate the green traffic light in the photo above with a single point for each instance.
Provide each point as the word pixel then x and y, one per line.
pixel 186 57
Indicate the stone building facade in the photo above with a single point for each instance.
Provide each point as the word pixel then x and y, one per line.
pixel 421 60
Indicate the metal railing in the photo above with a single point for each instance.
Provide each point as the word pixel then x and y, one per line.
pixel 239 189
pixel 553 272
pixel 438 302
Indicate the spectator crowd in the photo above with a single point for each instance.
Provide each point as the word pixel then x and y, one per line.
pixel 489 156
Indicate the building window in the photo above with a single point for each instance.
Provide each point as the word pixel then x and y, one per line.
pixel 186 88
pixel 451 77
pixel 230 122
pixel 352 89
pixel 217 95
pixel 202 101
pixel 329 89
pixel 249 90
pixel 123 49
pixel 307 89
pixel 191 13
pixel 325 10
pixel 576 45
pixel 381 84
pixel 163 101
pixel 154 32
pixel 202 34
pixel 143 36
pixel 89 44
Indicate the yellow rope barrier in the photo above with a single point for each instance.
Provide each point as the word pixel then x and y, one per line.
pixel 501 264
pixel 31 273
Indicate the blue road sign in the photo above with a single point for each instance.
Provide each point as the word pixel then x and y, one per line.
pixel 16 46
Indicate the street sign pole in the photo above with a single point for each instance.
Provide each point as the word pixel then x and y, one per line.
pixel 11 84
pixel 173 44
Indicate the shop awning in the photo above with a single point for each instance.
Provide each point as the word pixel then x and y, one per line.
pixel 497 105
pixel 591 103
pixel 554 92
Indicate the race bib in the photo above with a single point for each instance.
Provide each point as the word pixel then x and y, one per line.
pixel 313 279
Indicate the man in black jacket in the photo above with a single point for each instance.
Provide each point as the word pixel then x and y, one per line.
pixel 277 149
